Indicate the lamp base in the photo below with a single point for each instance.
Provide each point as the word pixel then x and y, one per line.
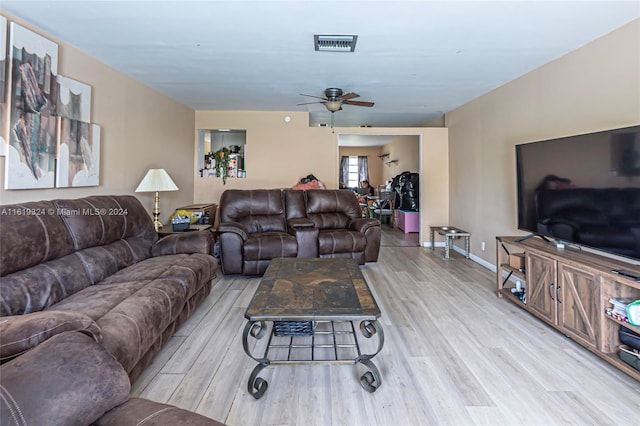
pixel 156 213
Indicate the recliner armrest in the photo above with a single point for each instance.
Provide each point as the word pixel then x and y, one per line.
pixel 234 227
pixel 300 223
pixel 362 224
pixel 186 243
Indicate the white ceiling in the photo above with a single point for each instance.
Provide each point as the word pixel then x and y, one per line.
pixel 415 59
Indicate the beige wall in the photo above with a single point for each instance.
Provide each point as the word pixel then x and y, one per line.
pixel 141 129
pixel 593 88
pixel 375 163
pixel 277 154
pixel 405 149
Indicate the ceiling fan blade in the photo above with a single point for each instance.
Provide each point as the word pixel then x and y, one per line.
pixel 309 103
pixel 349 95
pixel 312 96
pixel 359 103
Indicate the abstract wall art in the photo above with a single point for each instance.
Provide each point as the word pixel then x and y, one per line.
pixel 78 154
pixel 33 96
pixel 74 99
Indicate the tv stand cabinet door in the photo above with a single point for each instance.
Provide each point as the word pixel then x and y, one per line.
pixel 541 287
pixel 578 304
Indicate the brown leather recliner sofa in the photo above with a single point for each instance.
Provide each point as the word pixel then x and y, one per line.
pixel 259 225
pixel 86 286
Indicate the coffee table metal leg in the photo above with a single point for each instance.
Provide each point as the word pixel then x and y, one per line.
pixel 371 380
pixel 433 245
pixel 256 386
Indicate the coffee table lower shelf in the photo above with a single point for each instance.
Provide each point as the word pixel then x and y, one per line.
pixel 331 342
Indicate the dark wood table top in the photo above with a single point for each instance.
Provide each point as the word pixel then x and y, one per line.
pixel 295 289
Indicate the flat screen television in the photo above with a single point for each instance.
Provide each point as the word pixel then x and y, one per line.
pixel 583 190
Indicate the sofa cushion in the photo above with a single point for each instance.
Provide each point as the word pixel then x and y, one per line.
pixel 41 286
pixel 332 209
pixel 142 412
pixel 23 332
pixel 67 380
pixel 134 306
pixel 97 300
pixel 186 270
pixel 99 220
pixel 269 245
pixel 258 210
pixel 332 241
pixel 294 201
pixel 48 236
pixel 131 327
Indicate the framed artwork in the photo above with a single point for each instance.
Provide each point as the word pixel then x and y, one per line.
pixel 4 111
pixel 78 154
pixel 74 99
pixel 32 133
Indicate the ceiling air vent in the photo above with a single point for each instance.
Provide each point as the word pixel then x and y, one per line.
pixel 335 43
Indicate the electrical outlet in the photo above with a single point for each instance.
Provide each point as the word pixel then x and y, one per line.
pixel 483 246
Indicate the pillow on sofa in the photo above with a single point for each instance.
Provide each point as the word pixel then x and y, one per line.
pixel 67 380
pixel 23 332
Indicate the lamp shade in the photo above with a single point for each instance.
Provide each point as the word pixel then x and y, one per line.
pixel 156 180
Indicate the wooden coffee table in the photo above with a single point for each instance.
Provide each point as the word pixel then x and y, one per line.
pixel 307 308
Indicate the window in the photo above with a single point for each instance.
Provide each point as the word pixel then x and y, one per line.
pixel 353 181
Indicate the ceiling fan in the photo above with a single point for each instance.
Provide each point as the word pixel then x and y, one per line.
pixel 334 99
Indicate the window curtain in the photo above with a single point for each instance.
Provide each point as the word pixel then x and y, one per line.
pixel 363 168
pixel 344 169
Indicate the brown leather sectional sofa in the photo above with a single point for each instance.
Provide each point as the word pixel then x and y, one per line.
pixel 88 296
pixel 261 224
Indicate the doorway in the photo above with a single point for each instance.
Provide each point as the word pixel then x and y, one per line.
pixel 387 156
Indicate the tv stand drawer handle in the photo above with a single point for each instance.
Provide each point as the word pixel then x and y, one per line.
pixel 551 291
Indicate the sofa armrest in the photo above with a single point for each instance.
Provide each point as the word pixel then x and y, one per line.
pixel 362 224
pixel 306 235
pixel 300 223
pixel 372 232
pixel 67 380
pixel 233 227
pixel 186 243
pixel 21 333
pixel 138 411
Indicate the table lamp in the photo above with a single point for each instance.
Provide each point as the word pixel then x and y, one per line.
pixel 156 180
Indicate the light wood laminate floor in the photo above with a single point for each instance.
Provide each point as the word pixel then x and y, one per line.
pixel 454 354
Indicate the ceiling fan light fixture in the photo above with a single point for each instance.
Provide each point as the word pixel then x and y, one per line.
pixel 333 106
pixel 334 43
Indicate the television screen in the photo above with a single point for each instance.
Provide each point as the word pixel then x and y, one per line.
pixel 583 189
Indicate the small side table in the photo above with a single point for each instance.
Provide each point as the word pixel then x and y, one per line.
pixel 167 229
pixel 450 233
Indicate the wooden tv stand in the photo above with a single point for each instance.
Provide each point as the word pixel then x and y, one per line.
pixel 569 289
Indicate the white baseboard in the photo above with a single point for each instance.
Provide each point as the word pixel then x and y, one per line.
pixel 472 256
